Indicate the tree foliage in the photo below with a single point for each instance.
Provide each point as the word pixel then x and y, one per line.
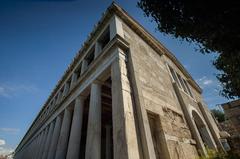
pixel 219 115
pixel 213 154
pixel 213 25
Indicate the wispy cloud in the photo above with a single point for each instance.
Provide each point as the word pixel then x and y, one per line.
pixel 3 92
pixel 8 90
pixel 2 142
pixel 10 130
pixel 186 66
pixel 3 149
pixel 204 81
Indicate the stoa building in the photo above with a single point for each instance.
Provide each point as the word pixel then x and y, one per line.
pixel 124 96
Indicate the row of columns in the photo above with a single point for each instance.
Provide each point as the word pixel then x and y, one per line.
pixel 62 137
pixel 57 141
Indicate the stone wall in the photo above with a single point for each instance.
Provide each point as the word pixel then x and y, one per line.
pixel 160 97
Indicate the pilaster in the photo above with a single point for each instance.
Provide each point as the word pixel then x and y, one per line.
pixel 124 129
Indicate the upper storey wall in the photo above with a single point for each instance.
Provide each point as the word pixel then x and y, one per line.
pixel 164 94
pixel 152 72
pixel 155 69
pixel 158 92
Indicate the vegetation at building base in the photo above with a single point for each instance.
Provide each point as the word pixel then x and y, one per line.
pixel 211 154
pixel 219 115
pixel 212 25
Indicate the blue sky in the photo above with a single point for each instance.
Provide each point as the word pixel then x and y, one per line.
pixel 39 38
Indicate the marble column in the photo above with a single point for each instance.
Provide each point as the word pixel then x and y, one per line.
pixel 64 135
pixel 27 151
pixel 31 148
pixel 60 96
pixel 67 87
pixel 43 143
pixel 108 142
pixel 39 144
pixel 23 154
pixel 84 66
pixel 55 137
pixel 124 129
pixel 36 146
pixel 75 134
pixel 98 49
pixel 49 137
pixel 73 81
pixel 93 143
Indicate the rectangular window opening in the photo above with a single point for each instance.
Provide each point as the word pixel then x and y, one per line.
pixel 154 123
pixel 51 105
pixel 189 91
pixel 55 99
pixel 181 82
pixel 68 83
pixel 90 57
pixel 174 77
pixel 105 38
pixel 60 94
pixel 78 71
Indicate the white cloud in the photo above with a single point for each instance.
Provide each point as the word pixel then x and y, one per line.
pixel 185 66
pixel 9 90
pixel 3 92
pixel 5 151
pixel 2 142
pixel 204 81
pixel 10 130
pixel 207 82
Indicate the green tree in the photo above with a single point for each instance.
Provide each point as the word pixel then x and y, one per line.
pixel 219 115
pixel 213 25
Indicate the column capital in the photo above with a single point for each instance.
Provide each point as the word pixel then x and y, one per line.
pixel 81 97
pixel 97 81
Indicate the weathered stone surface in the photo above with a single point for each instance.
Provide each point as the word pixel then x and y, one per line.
pixel 140 102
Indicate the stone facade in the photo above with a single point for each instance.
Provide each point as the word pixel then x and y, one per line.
pixel 232 113
pixel 232 124
pixel 124 96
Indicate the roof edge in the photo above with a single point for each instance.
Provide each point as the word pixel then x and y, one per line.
pixel 139 29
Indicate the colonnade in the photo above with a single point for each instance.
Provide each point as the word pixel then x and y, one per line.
pixel 61 138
